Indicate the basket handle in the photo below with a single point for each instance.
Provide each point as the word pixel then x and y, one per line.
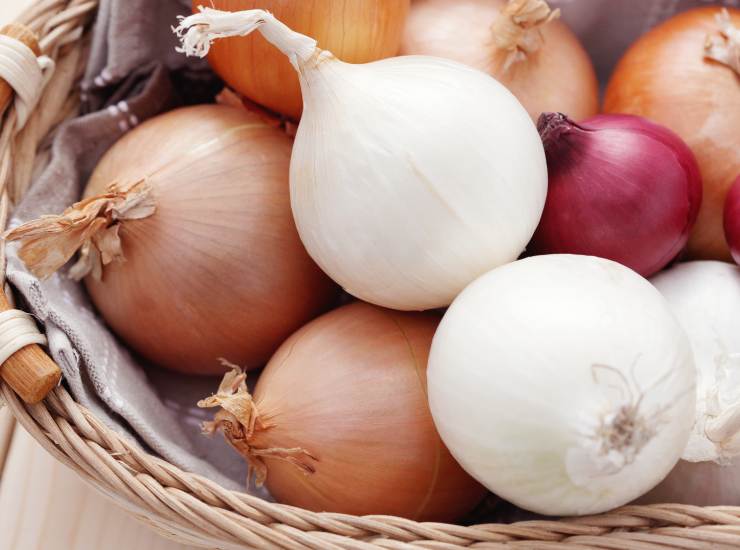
pixel 26 36
pixel 29 371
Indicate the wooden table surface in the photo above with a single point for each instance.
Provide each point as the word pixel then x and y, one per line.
pixel 44 505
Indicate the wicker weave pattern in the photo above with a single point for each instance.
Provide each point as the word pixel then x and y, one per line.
pixel 194 510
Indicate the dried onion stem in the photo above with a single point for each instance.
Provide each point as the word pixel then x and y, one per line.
pixel 724 46
pixel 239 418
pixel 90 226
pixel 517 29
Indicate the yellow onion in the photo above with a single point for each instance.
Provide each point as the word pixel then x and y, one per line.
pixel 519 42
pixel 356 31
pixel 339 420
pixel 682 75
pixel 193 253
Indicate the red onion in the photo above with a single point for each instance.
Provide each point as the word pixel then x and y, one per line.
pixel 685 75
pixel 621 188
pixel 732 220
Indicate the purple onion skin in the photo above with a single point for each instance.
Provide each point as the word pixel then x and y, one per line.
pixel 732 220
pixel 620 187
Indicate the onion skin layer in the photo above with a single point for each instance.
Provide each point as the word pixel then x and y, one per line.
pixel 218 270
pixel 665 77
pixel 350 388
pixel 355 31
pixel 732 220
pixel 620 187
pixel 461 30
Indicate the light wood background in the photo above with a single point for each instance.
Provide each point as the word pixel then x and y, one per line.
pixel 44 505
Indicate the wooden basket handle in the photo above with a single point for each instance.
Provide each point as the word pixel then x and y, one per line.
pixel 26 36
pixel 29 371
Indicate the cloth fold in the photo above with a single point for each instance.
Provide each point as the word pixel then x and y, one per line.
pixel 134 52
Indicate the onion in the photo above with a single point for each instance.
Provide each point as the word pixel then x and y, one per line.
pixel 357 31
pixel 669 77
pixel 518 42
pixel 410 176
pixel 563 383
pixel 705 296
pixel 340 422
pixel 213 263
pixel 620 188
pixel 732 220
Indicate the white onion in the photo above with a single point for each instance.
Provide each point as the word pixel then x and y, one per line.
pixel 705 296
pixel 410 176
pixel 563 383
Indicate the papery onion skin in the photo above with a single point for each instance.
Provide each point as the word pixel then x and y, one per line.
pixel 620 187
pixel 665 77
pixel 732 220
pixel 356 31
pixel 705 296
pixel 350 388
pixel 563 383
pixel 558 76
pixel 218 270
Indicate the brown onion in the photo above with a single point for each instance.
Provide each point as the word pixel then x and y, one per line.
pixel 667 77
pixel 539 60
pixel 341 421
pixel 356 31
pixel 218 268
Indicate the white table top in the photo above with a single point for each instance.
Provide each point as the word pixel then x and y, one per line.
pixel 45 506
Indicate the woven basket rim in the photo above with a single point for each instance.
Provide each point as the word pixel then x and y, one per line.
pixel 195 510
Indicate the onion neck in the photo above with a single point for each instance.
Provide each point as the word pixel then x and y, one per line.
pixel 554 128
pixel 90 226
pixel 516 30
pixel 198 31
pixel 724 45
pixel 721 425
pixel 725 427
pixel 240 421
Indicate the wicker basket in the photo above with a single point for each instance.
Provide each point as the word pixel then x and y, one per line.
pixel 194 510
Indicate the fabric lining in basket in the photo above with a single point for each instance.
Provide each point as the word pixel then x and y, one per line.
pixel 158 407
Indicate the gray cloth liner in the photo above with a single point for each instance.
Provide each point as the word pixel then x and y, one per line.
pixel 128 81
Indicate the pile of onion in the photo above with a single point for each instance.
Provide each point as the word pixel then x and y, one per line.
pixel 188 246
pixel 732 220
pixel 358 31
pixel 620 187
pixel 683 74
pixel 339 420
pixel 410 176
pixel 519 42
